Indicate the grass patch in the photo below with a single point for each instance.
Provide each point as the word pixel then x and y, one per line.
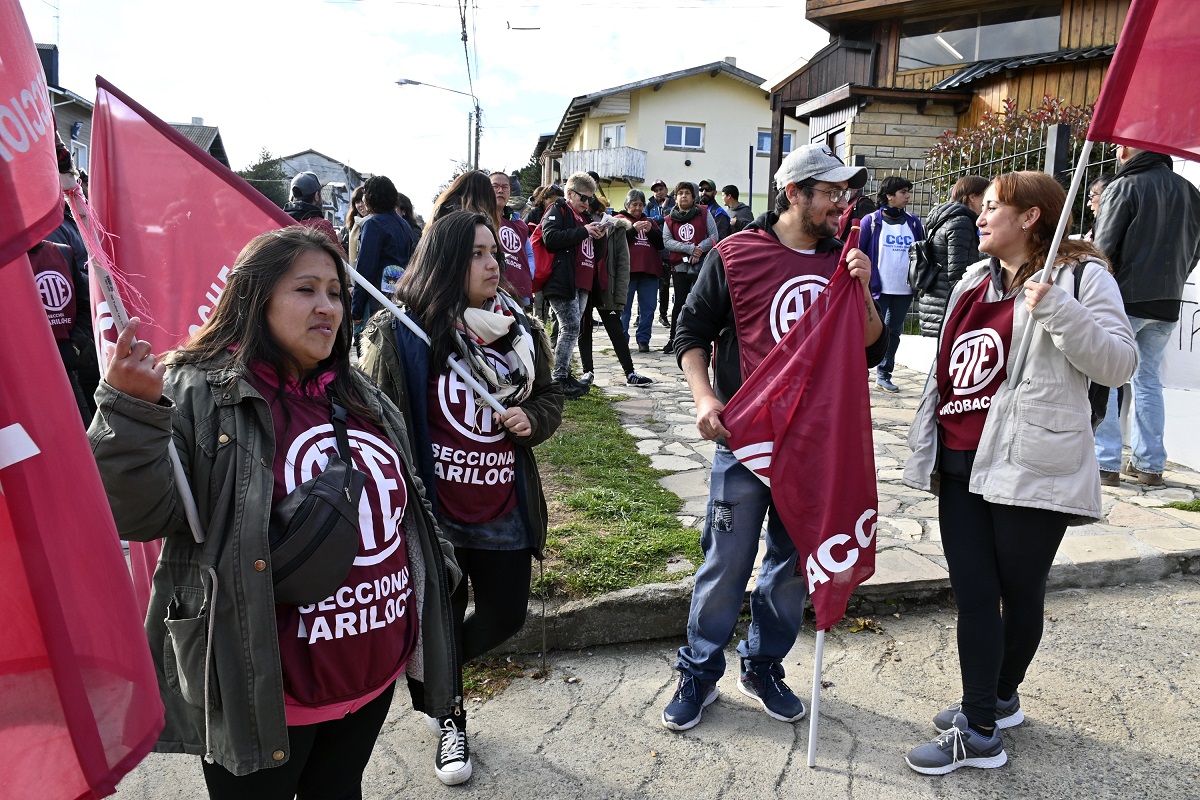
pixel 612 525
pixel 1194 505
pixel 488 676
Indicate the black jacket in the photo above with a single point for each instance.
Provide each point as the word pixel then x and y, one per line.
pixel 955 244
pixel 1149 229
pixel 707 318
pixel 561 234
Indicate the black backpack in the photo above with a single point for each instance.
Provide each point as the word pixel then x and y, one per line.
pixel 922 268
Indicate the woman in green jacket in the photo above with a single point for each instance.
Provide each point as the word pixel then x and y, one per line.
pixel 279 699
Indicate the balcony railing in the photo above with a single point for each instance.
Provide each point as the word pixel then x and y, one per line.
pixel 610 163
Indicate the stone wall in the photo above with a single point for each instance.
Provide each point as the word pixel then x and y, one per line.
pixel 894 135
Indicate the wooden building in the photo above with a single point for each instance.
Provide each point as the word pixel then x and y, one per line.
pixel 897 74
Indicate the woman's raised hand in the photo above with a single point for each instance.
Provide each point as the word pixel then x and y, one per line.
pixel 133 369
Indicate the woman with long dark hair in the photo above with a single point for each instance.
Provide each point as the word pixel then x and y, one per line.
pixel 1003 436
pixel 282 688
pixel 471 191
pixel 477 465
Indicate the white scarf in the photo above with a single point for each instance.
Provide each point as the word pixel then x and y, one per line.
pixel 499 325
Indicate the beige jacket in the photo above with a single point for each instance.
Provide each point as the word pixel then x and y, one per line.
pixel 1036 448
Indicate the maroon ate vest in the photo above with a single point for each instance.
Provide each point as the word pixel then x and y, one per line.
pixel 642 255
pixel 692 232
pixel 971 365
pixel 514 234
pixel 585 260
pixel 52 274
pixel 473 460
pixel 769 278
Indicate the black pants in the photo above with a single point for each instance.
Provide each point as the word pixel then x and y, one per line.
pixel 683 283
pixel 326 763
pixel 616 335
pixel 664 291
pixel 998 555
pixel 500 583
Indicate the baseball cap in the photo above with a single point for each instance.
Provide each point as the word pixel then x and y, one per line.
pixel 306 184
pixel 818 162
pixel 707 184
pixel 658 183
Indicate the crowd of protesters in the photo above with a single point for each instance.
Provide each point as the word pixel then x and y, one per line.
pixel 414 476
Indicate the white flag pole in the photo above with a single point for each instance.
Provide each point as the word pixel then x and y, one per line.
pixel 457 366
pixel 815 707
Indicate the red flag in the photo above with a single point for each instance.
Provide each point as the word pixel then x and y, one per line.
pixel 178 218
pixel 28 165
pixel 79 704
pixel 1150 98
pixel 802 423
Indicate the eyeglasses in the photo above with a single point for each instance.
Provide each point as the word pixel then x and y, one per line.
pixel 1095 195
pixel 837 195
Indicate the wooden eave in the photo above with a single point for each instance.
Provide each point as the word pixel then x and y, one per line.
pixel 843 95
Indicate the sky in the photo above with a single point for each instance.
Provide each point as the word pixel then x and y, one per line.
pixel 293 75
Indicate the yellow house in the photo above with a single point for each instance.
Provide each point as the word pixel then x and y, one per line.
pixel 708 122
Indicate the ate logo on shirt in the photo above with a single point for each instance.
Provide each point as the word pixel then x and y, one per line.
pixel 641 237
pixel 589 251
pixel 54 290
pixel 975 359
pixel 687 231
pixel 510 240
pixel 309 454
pixel 792 300
pixel 463 409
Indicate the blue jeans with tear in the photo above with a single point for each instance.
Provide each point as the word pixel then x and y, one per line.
pixel 737 504
pixel 1149 412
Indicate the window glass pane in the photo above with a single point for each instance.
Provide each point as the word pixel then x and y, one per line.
pixel 966 38
pixel 691 137
pixel 674 136
pixel 787 143
pixel 764 141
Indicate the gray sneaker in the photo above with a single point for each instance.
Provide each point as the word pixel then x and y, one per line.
pixel 886 384
pixel 1008 714
pixel 958 747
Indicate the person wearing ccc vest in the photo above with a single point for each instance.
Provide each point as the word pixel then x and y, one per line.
pixel 280 699
pixel 791 246
pixel 1003 437
pixel 689 232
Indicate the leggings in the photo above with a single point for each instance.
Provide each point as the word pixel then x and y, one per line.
pixel 500 583
pixel 664 291
pixel 616 335
pixel 683 283
pixel 998 556
pixel 326 763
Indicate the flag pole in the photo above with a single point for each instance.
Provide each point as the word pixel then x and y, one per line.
pixel 815 707
pixel 407 321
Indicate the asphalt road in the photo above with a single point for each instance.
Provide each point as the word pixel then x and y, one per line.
pixel 1112 704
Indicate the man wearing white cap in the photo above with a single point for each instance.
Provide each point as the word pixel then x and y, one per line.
pixel 750 289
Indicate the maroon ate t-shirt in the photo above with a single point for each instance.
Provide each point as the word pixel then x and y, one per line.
pixel 343 652
pixel 971 365
pixel 473 460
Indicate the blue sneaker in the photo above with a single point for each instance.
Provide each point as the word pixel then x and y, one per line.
pixel 765 684
pixel 685 708
pixel 958 747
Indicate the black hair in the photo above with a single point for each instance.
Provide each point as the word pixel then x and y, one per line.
pixel 380 194
pixel 891 184
pixel 805 187
pixel 730 190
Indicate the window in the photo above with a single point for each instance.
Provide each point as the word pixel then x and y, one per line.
pixel 836 141
pixel 685 137
pixel 612 135
pixel 966 38
pixel 764 142
pixel 79 155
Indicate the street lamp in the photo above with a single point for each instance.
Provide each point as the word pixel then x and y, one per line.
pixel 478 119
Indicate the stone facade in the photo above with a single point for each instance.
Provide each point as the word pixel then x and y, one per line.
pixel 894 135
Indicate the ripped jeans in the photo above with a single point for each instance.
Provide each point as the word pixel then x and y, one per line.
pixel 737 503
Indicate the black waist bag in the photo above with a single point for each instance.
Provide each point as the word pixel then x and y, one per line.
pixel 314 532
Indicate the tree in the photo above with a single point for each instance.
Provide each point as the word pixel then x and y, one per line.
pixel 268 177
pixel 530 176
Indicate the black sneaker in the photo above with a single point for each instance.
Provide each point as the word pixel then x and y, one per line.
pixel 765 684
pixel 958 747
pixel 691 696
pixel 643 347
pixel 573 389
pixel 452 762
pixel 669 347
pixel 633 379
pixel 662 320
pixel 1008 714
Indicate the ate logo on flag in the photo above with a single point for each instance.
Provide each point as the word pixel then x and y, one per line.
pixel 975 358
pixel 310 453
pixel 792 300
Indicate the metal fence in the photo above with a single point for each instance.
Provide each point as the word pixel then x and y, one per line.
pixel 1051 149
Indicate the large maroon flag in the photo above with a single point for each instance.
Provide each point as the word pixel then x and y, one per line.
pixel 1150 98
pixel 802 423
pixel 79 703
pixel 177 219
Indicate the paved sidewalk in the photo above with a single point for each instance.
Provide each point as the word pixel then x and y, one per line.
pixel 1137 541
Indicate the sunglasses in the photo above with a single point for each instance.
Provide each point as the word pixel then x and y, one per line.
pixel 587 198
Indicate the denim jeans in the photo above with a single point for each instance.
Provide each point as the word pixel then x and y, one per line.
pixel 645 286
pixel 737 503
pixel 895 308
pixel 568 313
pixel 1149 414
